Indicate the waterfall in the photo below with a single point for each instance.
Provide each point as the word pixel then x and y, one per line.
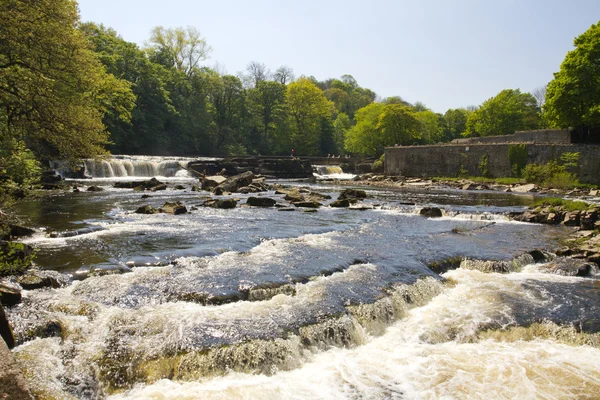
pixel 330 172
pixel 136 166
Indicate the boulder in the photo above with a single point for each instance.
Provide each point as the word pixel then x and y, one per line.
pixel 260 202
pixel 162 186
pixel 20 231
pixel 179 187
pixel 572 218
pixel 174 208
pixel 432 212
pixel 5 329
pixel 100 270
pixel 220 203
pixel 588 219
pixel 9 295
pixel 294 197
pixel 352 194
pixel 147 209
pixel 469 186
pixel 286 209
pixel 211 182
pixel 340 203
pixel 38 279
pixel 95 189
pixel 525 188
pixel 571 267
pixel 234 183
pixel 307 204
pixel 195 188
pixel 12 382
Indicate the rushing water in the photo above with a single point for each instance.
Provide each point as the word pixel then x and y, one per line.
pixel 261 304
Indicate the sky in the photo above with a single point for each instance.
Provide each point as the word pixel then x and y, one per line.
pixel 443 53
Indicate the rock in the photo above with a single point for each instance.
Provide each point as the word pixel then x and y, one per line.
pixel 352 194
pixel 432 212
pixel 571 267
pixel 162 186
pixel 5 329
pixel 12 382
pixel 525 188
pixel 95 189
pixel 148 185
pixel 307 204
pixel 38 279
pixel 286 209
pixel 100 270
pixel 146 196
pixel 195 188
pixel 594 192
pixel 211 182
pixel 320 196
pixel 360 207
pixel 220 203
pixel 340 203
pixel 469 186
pixel 20 231
pixel 234 183
pixel 572 218
pixel 179 187
pixel 9 295
pixel 588 219
pixel 260 202
pixel 294 197
pixel 175 208
pixel 553 218
pixel 147 209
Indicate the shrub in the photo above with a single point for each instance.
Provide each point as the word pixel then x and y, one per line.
pixel 14 258
pixel 517 156
pixel 378 164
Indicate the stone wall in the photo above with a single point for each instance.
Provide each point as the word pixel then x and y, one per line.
pixel 450 159
pixel 559 136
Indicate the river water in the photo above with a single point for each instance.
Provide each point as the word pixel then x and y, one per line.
pixel 336 304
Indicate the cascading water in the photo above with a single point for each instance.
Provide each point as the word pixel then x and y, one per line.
pixel 330 172
pixel 137 166
pixel 334 304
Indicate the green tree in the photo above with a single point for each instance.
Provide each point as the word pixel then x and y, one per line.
pixel 430 126
pixel 341 125
pixel 365 137
pixel 454 123
pixel 573 96
pixel 507 112
pixel 53 90
pixel 266 106
pixel 226 98
pixel 399 124
pixel 307 106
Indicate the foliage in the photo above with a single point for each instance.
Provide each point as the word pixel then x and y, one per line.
pixel 307 105
pixel 399 124
pixel 483 165
pixel 567 205
pixel 569 159
pixel 53 90
pixel 182 48
pixel 377 165
pixel 454 123
pixel 481 179
pixel 365 137
pixel 507 112
pixel 517 156
pixel 573 96
pixel 430 126
pixel 551 174
pixel 14 258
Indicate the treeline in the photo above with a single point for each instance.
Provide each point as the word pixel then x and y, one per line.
pixel 71 90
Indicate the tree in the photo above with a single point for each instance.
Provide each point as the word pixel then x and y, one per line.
pixel 266 104
pixel 507 112
pixel 341 126
pixel 307 106
pixel 284 75
pixel 430 126
pixel 399 124
pixel 182 48
pixel 365 137
pixel 539 93
pixel 257 72
pixel 573 96
pixel 454 123
pixel 227 104
pixel 53 90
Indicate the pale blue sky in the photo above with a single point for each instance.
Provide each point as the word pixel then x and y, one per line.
pixel 446 54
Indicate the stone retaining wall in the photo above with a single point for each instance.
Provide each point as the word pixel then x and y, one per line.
pixel 450 159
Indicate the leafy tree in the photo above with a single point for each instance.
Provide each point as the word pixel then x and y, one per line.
pixel 399 124
pixel 182 48
pixel 365 137
pixel 266 106
pixel 454 123
pixel 307 106
pixel 53 90
pixel 573 96
pixel 507 112
pixel 430 126
pixel 226 98
pixel 341 125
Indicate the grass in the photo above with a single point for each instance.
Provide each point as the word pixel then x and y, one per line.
pixel 567 205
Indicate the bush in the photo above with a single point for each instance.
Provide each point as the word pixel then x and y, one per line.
pixel 551 174
pixel 378 164
pixel 14 258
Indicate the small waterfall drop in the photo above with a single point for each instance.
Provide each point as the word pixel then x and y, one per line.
pixel 330 172
pixel 137 166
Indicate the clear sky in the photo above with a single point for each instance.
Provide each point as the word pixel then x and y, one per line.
pixel 446 54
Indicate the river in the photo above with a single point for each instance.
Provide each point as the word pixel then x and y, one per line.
pixel 255 303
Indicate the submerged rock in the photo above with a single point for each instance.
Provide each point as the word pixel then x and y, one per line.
pixel 260 202
pixel 147 209
pixel 38 279
pixel 95 189
pixel 353 195
pixel 431 212
pixel 12 382
pixel 340 203
pixel 571 267
pixel 307 204
pixel 220 203
pixel 175 208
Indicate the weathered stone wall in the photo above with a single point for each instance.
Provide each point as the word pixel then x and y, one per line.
pixel 559 136
pixel 450 159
